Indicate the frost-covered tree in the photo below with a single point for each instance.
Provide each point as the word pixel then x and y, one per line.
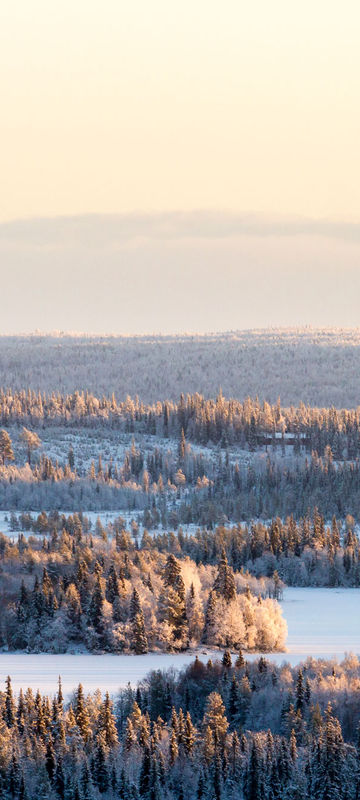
pixel 6 451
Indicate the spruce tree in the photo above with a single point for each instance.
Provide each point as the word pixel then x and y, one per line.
pixel 139 638
pixel 10 708
pixel 224 584
pixel 82 715
pixel 209 629
pixel 226 659
pixel 107 724
pixel 50 761
pixel 86 783
pixel 254 784
pixel 215 716
pixel 300 692
pixel 233 701
pixel 100 768
pixel 6 451
pixel 144 781
pixel 14 776
pixel 59 779
pixel 189 735
pixel 135 604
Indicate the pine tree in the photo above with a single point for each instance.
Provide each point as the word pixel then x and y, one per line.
pixel 233 701
pixel 6 451
pixel 81 715
pixel 144 781
pixel 130 736
pixel 172 576
pixel 14 776
pixel 254 787
pixel 240 661
pixel 135 605
pixel 235 755
pixel 195 616
pixel 60 697
pixel 181 727
pixel 59 779
pixel 182 446
pixel 99 767
pixel 71 458
pixel 226 660
pixel 95 611
pixel 210 617
pixel 215 716
pixel 31 442
pixel 10 707
pixel 50 761
pixel 307 692
pixel 21 712
pixel 173 748
pixel 139 640
pixel 172 610
pixel 189 735
pixel 107 724
pixel 224 584
pixel 300 691
pixel 112 585
pixel 244 699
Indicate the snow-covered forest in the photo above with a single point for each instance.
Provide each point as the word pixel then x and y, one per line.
pixel 228 729
pixel 108 595
pixel 197 461
pixel 316 366
pixel 173 526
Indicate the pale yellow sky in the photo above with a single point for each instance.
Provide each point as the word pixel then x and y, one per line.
pixel 113 106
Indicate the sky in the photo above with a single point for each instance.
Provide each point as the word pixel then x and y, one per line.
pixel 179 166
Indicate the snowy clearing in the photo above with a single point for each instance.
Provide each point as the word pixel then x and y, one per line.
pixel 323 623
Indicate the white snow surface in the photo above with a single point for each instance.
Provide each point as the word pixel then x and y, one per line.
pixel 323 623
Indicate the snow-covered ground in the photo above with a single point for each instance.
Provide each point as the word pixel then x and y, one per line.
pixel 323 623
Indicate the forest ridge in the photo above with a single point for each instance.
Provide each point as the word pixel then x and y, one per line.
pixel 316 366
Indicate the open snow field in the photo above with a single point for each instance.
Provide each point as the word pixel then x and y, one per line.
pixel 323 623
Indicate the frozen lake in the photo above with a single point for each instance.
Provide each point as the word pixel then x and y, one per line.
pixel 321 622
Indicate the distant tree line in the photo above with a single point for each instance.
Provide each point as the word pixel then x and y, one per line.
pixel 202 420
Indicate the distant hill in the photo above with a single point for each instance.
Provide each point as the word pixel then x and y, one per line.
pixel 319 367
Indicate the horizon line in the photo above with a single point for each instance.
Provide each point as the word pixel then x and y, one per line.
pixel 278 329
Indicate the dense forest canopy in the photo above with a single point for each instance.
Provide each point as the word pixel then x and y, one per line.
pixel 320 367
pixel 227 730
pixel 105 592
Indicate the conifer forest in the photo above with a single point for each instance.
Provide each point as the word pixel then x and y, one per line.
pixel 176 526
